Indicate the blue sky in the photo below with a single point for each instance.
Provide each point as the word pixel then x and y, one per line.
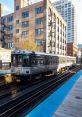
pixel 9 6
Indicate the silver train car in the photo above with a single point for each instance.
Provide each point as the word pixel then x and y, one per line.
pixel 28 63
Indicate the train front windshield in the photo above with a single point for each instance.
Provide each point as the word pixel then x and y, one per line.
pixel 20 60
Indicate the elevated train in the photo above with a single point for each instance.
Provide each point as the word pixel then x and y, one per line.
pixel 28 63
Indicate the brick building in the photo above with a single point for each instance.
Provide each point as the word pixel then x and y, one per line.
pixel 39 21
pixel 72 49
pixel 80 53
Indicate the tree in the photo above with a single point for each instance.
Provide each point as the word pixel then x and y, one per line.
pixel 28 44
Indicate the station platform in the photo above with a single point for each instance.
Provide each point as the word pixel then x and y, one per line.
pixel 2 72
pixel 72 105
pixel 64 102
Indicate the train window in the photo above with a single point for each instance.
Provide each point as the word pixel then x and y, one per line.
pixel 19 60
pixel 13 60
pixel 52 59
pixel 56 60
pixel 25 60
pixel 47 60
pixel 38 62
pixel 41 61
pixel 33 61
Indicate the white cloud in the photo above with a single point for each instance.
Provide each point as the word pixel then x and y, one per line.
pixel 7 10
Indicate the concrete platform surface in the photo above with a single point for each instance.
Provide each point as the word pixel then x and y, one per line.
pixel 50 105
pixel 72 105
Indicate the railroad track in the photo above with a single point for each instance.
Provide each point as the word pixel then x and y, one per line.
pixel 7 89
pixel 28 99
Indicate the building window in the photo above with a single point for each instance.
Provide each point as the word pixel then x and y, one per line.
pixel 10 27
pixel 40 42
pixel 69 4
pixel 49 12
pixel 17 21
pixel 39 10
pixel 39 31
pixel 65 5
pixel 25 14
pixel 58 29
pixel 17 30
pixel 25 24
pixel 17 7
pixel 58 37
pixel 4 28
pixel 10 36
pixel 24 34
pixel 65 28
pixel 39 21
pixel 10 19
pixel 58 45
pixel 3 20
pixel 57 20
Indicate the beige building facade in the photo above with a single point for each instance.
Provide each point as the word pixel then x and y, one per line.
pixel 39 21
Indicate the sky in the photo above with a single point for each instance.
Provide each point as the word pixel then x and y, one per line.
pixel 9 7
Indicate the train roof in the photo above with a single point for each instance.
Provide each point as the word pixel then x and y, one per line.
pixel 38 53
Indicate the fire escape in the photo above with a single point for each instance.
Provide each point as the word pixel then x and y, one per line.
pixel 51 32
pixel 4 34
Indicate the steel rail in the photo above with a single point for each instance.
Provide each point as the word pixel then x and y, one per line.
pixel 11 112
pixel 48 83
